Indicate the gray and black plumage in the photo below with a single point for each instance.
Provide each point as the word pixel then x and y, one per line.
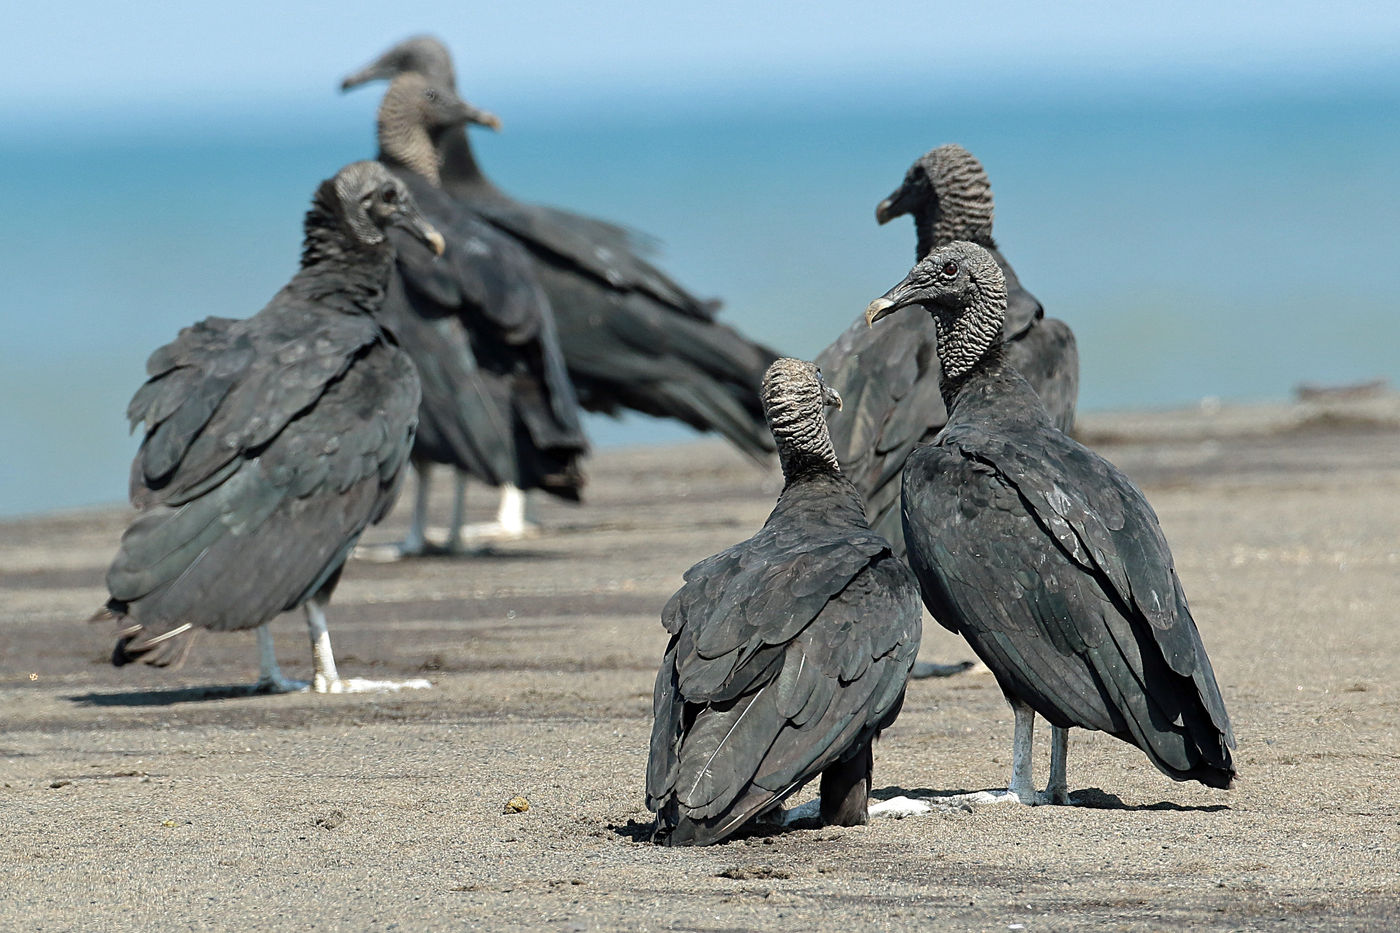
pixel 497 400
pixel 633 338
pixel 889 376
pixel 271 442
pixel 789 652
pixel 1045 556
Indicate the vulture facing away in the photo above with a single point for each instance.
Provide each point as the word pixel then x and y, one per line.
pixel 789 652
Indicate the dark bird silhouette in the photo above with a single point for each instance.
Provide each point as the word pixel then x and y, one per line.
pixel 890 377
pixel 271 443
pixel 1045 557
pixel 497 401
pixel 632 337
pixel 789 651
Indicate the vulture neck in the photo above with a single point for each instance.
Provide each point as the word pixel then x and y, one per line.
pixel 936 227
pixel 992 391
pixel 404 142
pixel 337 269
pixel 805 450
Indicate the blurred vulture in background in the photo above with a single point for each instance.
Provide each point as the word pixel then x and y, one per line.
pixel 498 405
pixel 632 337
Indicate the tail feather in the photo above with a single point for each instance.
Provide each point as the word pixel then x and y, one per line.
pixel 134 643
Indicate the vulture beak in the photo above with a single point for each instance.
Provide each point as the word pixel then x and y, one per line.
pixel 459 112
pixel 897 204
pixel 376 71
pixel 831 397
pixel 483 118
pixel 880 307
pixel 413 222
pixel 902 295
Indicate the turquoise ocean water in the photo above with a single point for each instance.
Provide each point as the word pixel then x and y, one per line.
pixel 1231 245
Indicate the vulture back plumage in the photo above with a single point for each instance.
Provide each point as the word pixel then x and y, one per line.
pixel 270 442
pixel 789 652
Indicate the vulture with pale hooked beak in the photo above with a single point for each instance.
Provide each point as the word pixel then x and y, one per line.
pixel 1045 557
pixel 890 375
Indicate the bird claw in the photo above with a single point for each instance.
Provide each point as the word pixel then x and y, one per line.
pixel 811 810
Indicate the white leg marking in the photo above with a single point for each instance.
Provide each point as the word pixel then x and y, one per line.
pixel 327 679
pixel 513 519
pixel 415 543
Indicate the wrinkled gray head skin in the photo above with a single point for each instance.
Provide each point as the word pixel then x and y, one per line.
pixel 949 194
pixel 367 200
pixel 794 397
pixel 413 98
pixel 413 116
pixel 424 55
pixel 963 288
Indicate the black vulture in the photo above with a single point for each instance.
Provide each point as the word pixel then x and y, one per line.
pixel 889 376
pixel 633 338
pixel 497 401
pixel 789 652
pixel 1044 556
pixel 270 443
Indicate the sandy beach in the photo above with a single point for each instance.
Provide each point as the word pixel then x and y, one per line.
pixel 143 799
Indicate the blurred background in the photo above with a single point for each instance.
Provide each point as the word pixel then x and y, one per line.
pixel 1207 192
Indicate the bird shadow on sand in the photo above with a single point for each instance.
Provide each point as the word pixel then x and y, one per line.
pixel 633 830
pixel 168 697
pixel 761 828
pixel 1086 798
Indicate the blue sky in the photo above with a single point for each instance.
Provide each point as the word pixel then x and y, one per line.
pixel 108 56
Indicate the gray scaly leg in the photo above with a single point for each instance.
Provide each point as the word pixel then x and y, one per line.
pixel 270 679
pixel 1021 743
pixel 416 542
pixel 1057 791
pixel 1022 790
pixel 459 513
pixel 326 678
